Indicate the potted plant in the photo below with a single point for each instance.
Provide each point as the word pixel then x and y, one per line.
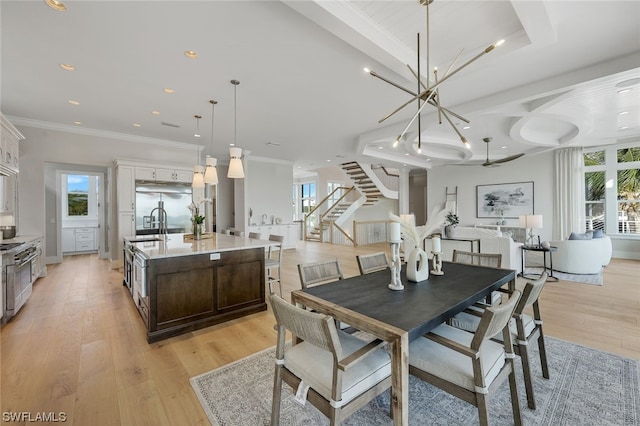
pixel 451 221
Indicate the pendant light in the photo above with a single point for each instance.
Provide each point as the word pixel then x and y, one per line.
pixel 198 170
pixel 236 171
pixel 210 172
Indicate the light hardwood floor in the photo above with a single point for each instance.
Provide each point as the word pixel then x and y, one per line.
pixel 78 345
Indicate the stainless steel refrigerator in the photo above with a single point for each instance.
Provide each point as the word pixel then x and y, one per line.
pixel 176 198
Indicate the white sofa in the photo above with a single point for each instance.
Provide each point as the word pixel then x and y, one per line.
pixel 582 256
pixel 491 241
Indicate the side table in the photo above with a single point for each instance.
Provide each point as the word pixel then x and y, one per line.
pixel 544 251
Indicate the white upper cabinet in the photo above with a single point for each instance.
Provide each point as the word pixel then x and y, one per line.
pixel 162 174
pixel 9 149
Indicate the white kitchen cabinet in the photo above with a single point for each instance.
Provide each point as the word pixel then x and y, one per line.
pixel 288 231
pixel 126 188
pixel 78 240
pixel 163 174
pixel 9 149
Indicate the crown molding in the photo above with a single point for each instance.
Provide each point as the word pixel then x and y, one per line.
pixel 47 125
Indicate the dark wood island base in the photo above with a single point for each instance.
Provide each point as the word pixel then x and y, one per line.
pixel 186 293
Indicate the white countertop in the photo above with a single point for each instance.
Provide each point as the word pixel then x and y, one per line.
pixel 178 245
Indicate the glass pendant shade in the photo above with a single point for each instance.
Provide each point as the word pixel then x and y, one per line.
pixel 210 172
pixel 236 171
pixel 198 177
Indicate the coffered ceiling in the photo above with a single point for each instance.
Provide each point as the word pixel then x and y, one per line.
pixel 559 79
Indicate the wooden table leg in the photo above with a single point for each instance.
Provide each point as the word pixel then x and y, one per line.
pixel 400 380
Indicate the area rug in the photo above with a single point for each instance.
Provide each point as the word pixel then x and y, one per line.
pixel 594 279
pixel 586 387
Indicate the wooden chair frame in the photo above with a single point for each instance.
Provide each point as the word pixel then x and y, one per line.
pixel 274 261
pixel 494 319
pixel 373 262
pixel 493 260
pixel 319 330
pixel 316 273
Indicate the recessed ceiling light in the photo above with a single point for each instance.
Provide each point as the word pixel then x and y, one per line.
pixel 154 112
pixel 167 90
pixel 67 67
pixel 623 112
pixel 232 144
pixel 406 153
pixel 623 128
pixel 137 125
pixel 190 54
pixel 379 147
pixel 77 123
pixel 328 161
pixel 623 91
pixel 56 5
pixel 72 102
pixel 466 127
pixel 503 147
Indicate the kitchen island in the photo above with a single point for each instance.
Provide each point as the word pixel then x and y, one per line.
pixel 179 284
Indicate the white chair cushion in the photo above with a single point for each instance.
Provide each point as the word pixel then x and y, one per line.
pixel 469 322
pixel 452 366
pixel 314 366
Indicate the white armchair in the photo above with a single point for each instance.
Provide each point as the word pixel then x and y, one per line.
pixel 582 256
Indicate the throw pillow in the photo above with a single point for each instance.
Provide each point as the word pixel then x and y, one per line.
pixel 585 236
pixel 598 233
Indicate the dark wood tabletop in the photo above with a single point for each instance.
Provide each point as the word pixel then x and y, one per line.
pixel 421 306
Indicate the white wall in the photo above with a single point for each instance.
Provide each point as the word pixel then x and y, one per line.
pixel 535 168
pixel 50 146
pixel 268 190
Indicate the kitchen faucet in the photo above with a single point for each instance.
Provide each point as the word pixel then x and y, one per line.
pixel 162 219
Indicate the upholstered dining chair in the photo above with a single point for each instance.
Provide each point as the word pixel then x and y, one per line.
pixel 373 262
pixel 254 235
pixel 273 262
pixel 492 260
pixel 316 273
pixel 470 366
pixel 342 372
pixel 524 328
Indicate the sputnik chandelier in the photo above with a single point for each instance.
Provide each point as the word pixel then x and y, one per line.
pixel 430 93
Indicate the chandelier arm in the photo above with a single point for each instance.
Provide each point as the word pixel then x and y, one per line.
pixel 426 101
pixel 455 129
pixel 416 76
pixel 386 80
pixel 437 97
pixel 432 89
pixel 448 111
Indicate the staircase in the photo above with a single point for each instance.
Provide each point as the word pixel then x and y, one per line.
pixel 362 181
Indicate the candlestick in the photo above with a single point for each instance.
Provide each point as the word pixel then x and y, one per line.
pixel 435 244
pixel 395 266
pixel 394 232
pixel 437 263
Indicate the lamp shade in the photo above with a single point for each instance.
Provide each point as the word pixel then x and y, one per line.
pixel 210 172
pixel 198 177
pixel 531 221
pixel 236 171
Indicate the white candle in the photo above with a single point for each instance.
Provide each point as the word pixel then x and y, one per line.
pixel 435 244
pixel 394 232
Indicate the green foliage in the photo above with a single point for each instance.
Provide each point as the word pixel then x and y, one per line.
pixel 78 204
pixel 452 218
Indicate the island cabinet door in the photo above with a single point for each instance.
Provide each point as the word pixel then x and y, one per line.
pixel 239 280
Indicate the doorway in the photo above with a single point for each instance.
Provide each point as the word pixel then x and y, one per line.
pixel 76 205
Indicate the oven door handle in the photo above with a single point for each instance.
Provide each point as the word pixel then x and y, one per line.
pixel 26 260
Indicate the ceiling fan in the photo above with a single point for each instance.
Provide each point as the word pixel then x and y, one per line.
pixel 497 162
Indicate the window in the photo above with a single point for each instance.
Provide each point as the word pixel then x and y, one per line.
pixel 80 193
pixel 334 197
pixel 612 189
pixel 304 199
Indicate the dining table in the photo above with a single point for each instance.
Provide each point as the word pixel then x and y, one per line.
pixel 366 303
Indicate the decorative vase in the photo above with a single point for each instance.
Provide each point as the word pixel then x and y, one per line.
pixel 417 265
pixel 450 231
pixel 197 231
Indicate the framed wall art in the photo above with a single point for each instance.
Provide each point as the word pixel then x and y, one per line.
pixel 507 200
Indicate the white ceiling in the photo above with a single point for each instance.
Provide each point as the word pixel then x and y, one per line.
pixel 303 95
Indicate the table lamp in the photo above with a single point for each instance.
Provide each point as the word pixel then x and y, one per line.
pixel 531 221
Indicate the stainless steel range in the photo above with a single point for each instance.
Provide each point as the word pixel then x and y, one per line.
pixel 19 270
